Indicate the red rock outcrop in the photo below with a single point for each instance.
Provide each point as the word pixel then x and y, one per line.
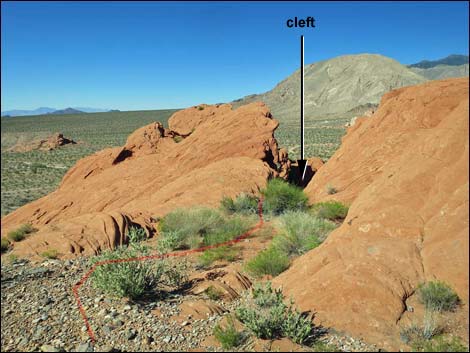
pixel 404 173
pixel 52 142
pixel 226 152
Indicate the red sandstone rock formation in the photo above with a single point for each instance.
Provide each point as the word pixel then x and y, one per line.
pixel 404 173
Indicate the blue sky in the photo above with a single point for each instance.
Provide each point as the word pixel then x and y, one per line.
pixel 146 55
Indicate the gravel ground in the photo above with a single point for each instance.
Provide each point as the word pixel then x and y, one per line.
pixel 39 313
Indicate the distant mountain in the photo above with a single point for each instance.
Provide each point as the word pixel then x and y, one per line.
pixel 442 71
pixel 39 111
pixel 45 110
pixel 344 86
pixel 451 60
pixel 67 111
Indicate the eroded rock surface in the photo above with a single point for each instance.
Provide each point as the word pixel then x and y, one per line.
pixel 52 142
pixel 404 173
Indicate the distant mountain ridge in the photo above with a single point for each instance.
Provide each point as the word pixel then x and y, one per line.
pixel 67 111
pixel 350 85
pixel 47 110
pixel 451 60
pixel 336 88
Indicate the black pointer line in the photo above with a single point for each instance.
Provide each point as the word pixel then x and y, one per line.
pixel 302 163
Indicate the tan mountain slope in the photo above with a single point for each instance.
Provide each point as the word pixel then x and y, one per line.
pixel 337 87
pixel 226 152
pixel 404 171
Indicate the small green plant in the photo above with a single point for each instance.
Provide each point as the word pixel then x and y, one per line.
pixel 243 204
pixel 271 261
pixel 200 107
pixel 301 232
pixel 12 258
pixel 416 335
pixel 213 293
pixel 21 232
pixel 50 254
pixel 332 210
pixel 438 296
pixel 330 190
pixel 178 139
pixel 229 337
pixel 325 347
pixel 280 196
pixel 5 245
pixel 132 278
pixel 227 253
pixel 192 228
pixel 136 234
pixel 266 315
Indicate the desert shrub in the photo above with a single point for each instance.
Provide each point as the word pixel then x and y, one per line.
pixel 193 228
pixel 200 107
pixel 243 204
pixel 415 335
pixel 5 245
pixel 213 293
pixel 131 279
pixel 301 232
pixel 330 190
pixel 268 317
pixel 230 228
pixel 332 210
pixel 280 196
pixel 228 337
pixel 227 253
pixel 136 234
pixel 185 228
pixel 297 326
pixel 50 254
pixel 441 344
pixel 21 232
pixel 438 296
pixel 271 261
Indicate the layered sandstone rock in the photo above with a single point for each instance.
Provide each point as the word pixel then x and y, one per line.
pixel 404 173
pixel 225 152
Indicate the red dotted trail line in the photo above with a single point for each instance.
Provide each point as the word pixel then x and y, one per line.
pixel 85 277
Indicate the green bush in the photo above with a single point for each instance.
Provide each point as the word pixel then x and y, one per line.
pixel 229 337
pixel 5 245
pixel 416 335
pixel 136 234
pixel 325 347
pixel 243 204
pixel 214 293
pixel 227 253
pixel 229 229
pixel 332 210
pixel 271 261
pixel 280 196
pixel 301 232
pixel 266 315
pixel 131 279
pixel 193 228
pixel 438 296
pixel 50 254
pixel 21 232
pixel 185 227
